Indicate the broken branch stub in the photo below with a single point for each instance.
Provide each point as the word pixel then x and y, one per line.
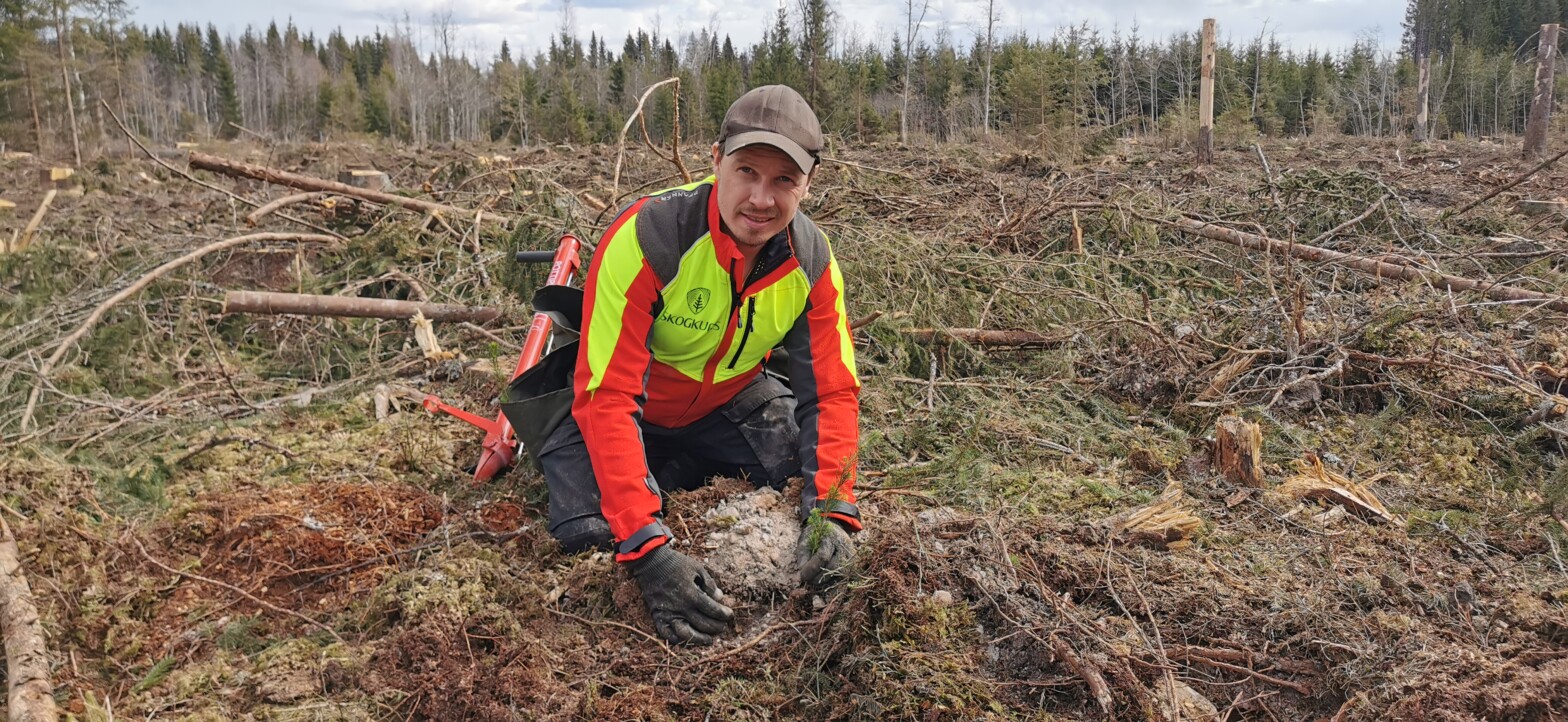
pixel 1165 524
pixel 1238 447
pixel 1315 481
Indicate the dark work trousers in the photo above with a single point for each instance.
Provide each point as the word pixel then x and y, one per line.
pixel 753 436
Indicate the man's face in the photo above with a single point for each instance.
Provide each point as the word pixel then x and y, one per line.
pixel 759 188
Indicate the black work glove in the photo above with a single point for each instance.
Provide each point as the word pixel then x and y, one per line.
pixel 682 597
pixel 823 549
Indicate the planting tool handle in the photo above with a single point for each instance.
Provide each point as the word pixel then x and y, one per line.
pixel 534 256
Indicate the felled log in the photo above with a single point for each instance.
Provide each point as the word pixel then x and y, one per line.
pixel 1315 481
pixel 31 695
pixel 1238 451
pixel 304 304
pixel 1164 524
pixel 986 337
pixel 202 161
pixel 1371 266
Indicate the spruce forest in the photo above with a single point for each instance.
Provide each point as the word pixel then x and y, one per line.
pixel 414 82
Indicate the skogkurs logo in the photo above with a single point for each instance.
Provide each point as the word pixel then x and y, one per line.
pixel 697 299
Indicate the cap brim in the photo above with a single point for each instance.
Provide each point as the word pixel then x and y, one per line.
pixel 805 160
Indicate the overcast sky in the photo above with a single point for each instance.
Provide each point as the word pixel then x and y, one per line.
pixel 527 24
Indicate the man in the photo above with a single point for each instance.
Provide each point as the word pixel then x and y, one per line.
pixel 687 295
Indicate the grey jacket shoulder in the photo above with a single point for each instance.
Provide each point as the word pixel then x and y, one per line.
pixel 810 246
pixel 668 224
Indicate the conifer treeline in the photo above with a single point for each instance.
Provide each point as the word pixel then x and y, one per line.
pixel 60 58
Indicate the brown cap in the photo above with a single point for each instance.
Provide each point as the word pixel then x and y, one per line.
pixel 773 115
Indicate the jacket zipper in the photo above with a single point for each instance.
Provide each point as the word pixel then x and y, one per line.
pixel 751 322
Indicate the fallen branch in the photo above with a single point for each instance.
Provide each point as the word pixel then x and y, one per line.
pixel 31 696
pixel 1370 266
pixel 202 161
pixel 26 238
pixel 986 337
pixel 304 304
pixel 1510 184
pixel 255 216
pixel 620 153
pixel 135 288
pixel 187 176
pixel 1197 655
pixel 1102 692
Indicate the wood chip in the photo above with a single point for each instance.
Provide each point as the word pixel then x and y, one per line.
pixel 1315 481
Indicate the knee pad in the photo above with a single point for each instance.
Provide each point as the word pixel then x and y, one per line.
pixel 583 533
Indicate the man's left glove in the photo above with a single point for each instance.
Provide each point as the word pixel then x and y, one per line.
pixel 824 548
pixel 682 597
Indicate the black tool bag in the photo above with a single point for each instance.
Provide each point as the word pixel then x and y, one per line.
pixel 538 400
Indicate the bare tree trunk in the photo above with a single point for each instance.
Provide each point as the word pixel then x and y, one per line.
pixel 990 49
pixel 32 103
pixel 1206 97
pixel 65 77
pixel 1541 104
pixel 911 31
pixel 1423 95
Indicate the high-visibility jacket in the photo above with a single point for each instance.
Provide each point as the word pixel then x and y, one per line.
pixel 670 334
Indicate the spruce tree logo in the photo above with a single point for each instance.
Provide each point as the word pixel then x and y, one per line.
pixel 697 299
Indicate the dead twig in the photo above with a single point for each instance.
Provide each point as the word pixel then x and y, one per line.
pixel 135 288
pixel 226 440
pixel 608 623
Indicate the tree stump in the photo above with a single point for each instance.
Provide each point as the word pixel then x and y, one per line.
pixel 365 177
pixel 56 178
pixel 1238 447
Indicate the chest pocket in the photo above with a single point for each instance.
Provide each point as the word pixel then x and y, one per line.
pixel 766 316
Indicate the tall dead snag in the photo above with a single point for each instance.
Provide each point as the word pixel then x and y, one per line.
pixel 1541 104
pixel 1206 97
pixel 1370 266
pixel 236 169
pixel 1238 451
pixel 31 697
pixel 1423 95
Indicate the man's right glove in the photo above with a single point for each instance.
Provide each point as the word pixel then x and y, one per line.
pixel 822 550
pixel 682 597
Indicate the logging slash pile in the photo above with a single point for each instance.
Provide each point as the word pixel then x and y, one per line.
pixel 1277 438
